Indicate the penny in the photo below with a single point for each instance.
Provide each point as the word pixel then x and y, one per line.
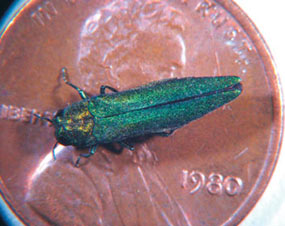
pixel 210 172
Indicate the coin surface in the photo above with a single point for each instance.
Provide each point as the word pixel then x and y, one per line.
pixel 210 172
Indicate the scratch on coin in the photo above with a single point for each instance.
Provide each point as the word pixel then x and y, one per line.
pixel 135 204
pixel 172 199
pixel 113 200
pixel 162 188
pixel 154 204
pixel 218 63
pixel 249 171
pixel 241 153
pixel 166 218
pixel 97 200
pixel 184 215
pixel 185 174
pixel 144 181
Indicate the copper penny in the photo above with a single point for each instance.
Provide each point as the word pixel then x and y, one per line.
pixel 210 172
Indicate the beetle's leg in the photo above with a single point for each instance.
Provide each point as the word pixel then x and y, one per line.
pixel 91 152
pixel 103 89
pixel 53 150
pixel 65 79
pixel 126 145
pixel 166 134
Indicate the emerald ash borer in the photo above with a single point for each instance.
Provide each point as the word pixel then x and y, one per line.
pixel 157 108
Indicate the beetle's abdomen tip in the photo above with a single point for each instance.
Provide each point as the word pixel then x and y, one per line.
pixel 238 86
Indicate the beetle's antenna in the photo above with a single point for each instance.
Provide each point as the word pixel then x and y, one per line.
pixel 44 118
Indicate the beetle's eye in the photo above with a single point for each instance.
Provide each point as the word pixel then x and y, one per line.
pixel 59 113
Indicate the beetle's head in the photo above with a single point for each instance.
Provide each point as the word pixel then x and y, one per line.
pixel 63 132
pixel 73 126
pixel 59 122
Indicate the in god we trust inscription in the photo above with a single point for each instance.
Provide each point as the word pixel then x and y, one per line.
pixel 224 159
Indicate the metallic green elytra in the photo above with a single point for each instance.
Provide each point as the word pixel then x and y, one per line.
pixel 156 108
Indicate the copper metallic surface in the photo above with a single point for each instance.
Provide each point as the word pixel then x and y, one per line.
pixel 210 172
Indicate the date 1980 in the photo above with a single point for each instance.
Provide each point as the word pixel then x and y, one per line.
pixel 215 183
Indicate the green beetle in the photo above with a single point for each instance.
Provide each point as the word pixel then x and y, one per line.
pixel 159 108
